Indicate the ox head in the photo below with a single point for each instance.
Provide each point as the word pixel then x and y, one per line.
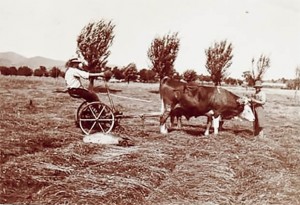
pixel 247 113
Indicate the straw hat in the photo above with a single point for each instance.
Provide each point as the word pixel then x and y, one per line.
pixel 75 60
pixel 258 84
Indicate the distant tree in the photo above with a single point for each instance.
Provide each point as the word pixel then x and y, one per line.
pixel 205 78
pixel 248 78
pixel 260 67
pixel 257 71
pixel 147 75
pixel 25 71
pixel 190 75
pixel 93 45
pixel 163 53
pixel 297 82
pixel 291 85
pixel 44 71
pixel 219 58
pixel 118 74
pixel 38 73
pixel 130 72
pixel 54 72
pixel 41 71
pixel 231 81
pixel 297 78
pixel 8 70
pixel 4 70
pixel 151 76
pixel 143 75
pixel 239 81
pixel 13 70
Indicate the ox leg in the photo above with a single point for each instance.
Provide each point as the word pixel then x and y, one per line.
pixel 216 123
pixel 208 125
pixel 174 115
pixel 172 119
pixel 176 112
pixel 163 119
pixel 221 124
pixel 179 122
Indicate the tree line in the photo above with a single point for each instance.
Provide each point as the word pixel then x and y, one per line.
pixel 96 38
pixel 126 74
pixel 26 71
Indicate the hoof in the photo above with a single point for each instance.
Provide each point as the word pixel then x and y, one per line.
pixel 163 130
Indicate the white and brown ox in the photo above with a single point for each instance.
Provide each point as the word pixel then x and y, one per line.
pixel 193 100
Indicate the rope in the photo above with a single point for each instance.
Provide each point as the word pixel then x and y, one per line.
pixel 130 98
pixel 60 91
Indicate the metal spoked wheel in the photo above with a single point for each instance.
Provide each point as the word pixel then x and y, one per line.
pixel 96 117
pixel 77 116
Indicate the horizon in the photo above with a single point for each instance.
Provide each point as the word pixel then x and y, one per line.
pixel 269 27
pixel 198 74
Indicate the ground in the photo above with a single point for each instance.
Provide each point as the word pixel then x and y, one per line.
pixel 44 160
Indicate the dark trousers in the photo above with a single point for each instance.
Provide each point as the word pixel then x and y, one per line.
pixel 83 93
pixel 259 121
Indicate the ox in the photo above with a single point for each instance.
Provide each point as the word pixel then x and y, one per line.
pixel 167 90
pixel 193 100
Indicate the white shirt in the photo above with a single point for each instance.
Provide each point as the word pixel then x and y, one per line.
pixel 261 96
pixel 73 75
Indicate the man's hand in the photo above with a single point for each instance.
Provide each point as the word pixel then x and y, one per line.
pixel 255 101
pixel 107 74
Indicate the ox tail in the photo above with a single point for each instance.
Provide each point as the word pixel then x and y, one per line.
pixel 162 108
pixel 162 82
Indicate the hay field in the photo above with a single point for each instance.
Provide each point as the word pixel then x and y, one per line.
pixel 44 160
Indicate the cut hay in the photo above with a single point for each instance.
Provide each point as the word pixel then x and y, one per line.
pixel 106 139
pixel 44 160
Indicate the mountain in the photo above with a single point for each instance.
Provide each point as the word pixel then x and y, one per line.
pixel 17 60
pixel 10 58
pixel 36 62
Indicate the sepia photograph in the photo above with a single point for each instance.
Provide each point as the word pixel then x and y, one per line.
pixel 149 102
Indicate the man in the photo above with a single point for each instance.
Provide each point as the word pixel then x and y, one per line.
pixel 72 77
pixel 258 100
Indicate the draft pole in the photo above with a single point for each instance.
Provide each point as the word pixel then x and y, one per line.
pixel 109 97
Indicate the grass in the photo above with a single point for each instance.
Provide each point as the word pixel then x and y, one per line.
pixel 44 160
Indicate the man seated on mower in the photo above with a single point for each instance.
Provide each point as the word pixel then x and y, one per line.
pixel 72 77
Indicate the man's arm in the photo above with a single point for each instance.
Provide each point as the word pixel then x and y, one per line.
pixel 96 74
pixel 261 101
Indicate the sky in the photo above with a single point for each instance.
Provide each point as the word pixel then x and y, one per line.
pixel 49 28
